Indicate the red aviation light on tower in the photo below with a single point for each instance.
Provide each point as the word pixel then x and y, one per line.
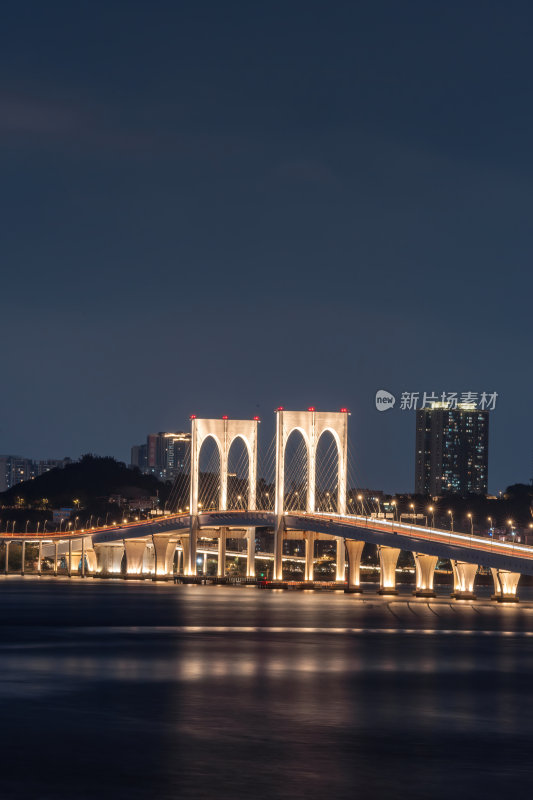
pixel 279 408
pixel 225 416
pixel 193 416
pixel 311 408
pixel 344 411
pixel 256 419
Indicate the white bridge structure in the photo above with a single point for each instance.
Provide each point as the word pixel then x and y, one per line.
pixel 173 544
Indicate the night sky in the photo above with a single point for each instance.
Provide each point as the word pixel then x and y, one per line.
pixel 222 207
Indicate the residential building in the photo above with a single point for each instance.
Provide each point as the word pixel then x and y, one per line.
pixel 451 450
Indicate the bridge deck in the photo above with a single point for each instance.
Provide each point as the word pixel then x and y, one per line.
pixel 434 541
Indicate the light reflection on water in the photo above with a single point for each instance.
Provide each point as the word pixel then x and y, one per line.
pixel 351 700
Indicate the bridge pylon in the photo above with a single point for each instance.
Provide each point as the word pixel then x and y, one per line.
pixel 224 432
pixel 311 424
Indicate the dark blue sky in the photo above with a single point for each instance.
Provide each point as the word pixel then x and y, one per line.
pixel 223 207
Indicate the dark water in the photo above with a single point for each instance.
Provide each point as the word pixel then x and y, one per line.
pixel 138 690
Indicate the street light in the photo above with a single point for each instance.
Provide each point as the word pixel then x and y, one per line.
pixel 489 520
pixel 26 528
pixel 360 498
pixel 432 512
pixel 394 504
pixel 450 512
pixel 469 515
pixel 510 523
pixel 412 506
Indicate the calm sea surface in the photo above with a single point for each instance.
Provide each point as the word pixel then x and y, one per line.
pixel 140 690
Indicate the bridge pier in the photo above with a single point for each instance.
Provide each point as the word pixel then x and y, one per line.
pixel 193 544
pixel 134 549
pixel 164 554
pixel 221 564
pixel 355 551
pixel 340 573
pixel 184 555
pixel 309 555
pixel 90 558
pixel 505 585
pixel 464 575
pixel 277 567
pixel 388 558
pixel 250 553
pixel 109 558
pixel 425 574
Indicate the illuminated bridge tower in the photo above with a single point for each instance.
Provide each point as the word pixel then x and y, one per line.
pixel 311 424
pixel 224 432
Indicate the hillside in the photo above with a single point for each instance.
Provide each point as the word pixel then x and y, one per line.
pixel 89 481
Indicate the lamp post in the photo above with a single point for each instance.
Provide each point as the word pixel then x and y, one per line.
pixel 412 506
pixel 450 513
pixel 26 528
pixel 511 525
pixel 432 512
pixel 489 520
pixel 394 505
pixel 469 515
pixel 360 498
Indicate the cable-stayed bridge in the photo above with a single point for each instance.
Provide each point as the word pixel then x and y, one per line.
pixel 299 491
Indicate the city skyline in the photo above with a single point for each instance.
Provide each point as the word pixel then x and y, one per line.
pixel 138 454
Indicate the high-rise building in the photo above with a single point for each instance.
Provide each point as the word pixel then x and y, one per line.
pixel 139 456
pixel 15 469
pixel 452 447
pixel 164 454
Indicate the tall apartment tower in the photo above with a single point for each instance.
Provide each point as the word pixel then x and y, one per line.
pixel 452 449
pixel 164 454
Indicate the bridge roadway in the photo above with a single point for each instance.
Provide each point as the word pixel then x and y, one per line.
pixel 517 558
